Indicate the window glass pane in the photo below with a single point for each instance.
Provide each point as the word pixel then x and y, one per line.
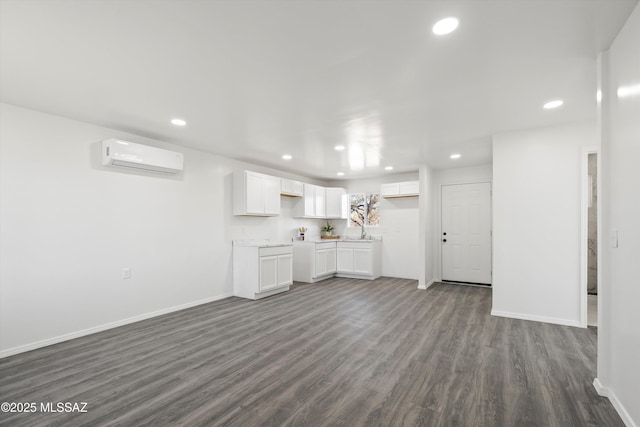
pixel 357 212
pixel 373 217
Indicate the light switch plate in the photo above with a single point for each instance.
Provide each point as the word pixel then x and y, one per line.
pixel 613 239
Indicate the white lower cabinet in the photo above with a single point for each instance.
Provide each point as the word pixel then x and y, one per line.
pixel 313 261
pixel 359 259
pixel 325 260
pixel 259 272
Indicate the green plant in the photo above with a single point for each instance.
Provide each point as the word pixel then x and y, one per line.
pixel 327 228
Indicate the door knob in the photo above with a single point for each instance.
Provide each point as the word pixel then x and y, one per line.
pixel 444 234
pixel 444 240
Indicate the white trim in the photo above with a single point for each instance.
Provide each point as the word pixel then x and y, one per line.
pixel 609 394
pixel 106 326
pixel 600 389
pixel 423 287
pixel 584 228
pixel 544 319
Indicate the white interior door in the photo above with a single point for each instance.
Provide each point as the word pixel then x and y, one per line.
pixel 466 233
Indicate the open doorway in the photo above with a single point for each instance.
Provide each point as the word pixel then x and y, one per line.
pixel 592 240
pixel 589 288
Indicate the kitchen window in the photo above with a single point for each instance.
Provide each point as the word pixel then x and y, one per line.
pixel 364 208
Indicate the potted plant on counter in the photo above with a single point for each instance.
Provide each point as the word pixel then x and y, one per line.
pixel 327 230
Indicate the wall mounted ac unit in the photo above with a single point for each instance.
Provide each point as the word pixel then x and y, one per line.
pixel 116 152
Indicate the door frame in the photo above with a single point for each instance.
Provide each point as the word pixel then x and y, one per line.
pixel 439 222
pixel 584 228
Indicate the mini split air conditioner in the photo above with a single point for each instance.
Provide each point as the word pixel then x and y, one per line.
pixel 119 153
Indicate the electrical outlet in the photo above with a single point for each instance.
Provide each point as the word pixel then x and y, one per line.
pixel 126 273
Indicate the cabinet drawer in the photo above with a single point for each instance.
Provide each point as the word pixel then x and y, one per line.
pixel 277 250
pixel 355 245
pixel 325 245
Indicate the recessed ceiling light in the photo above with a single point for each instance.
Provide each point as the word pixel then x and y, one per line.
pixel 445 26
pixel 455 156
pixel 625 91
pixel 388 168
pixel 340 174
pixel 287 157
pixel 339 147
pixel 178 122
pixel 552 104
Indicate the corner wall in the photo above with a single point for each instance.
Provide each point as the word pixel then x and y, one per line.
pixel 399 225
pixel 619 287
pixel 69 226
pixel 536 222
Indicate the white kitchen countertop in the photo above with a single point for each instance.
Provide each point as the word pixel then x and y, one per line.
pixel 341 239
pixel 261 243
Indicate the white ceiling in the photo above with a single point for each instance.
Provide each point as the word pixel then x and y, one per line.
pixel 256 80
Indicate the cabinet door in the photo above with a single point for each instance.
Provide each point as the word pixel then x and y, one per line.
pixel 345 260
pixel 268 272
pixel 309 200
pixel 297 188
pixel 392 189
pixel 362 263
pixel 285 270
pixel 331 260
pixel 254 193
pixel 290 187
pixel 321 196
pixel 336 203
pixel 321 263
pixel 286 186
pixel 271 186
pixel 410 187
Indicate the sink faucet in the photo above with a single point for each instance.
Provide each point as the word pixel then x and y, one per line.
pixel 363 233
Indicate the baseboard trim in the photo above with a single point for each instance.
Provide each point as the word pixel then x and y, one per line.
pixel 431 282
pixel 609 394
pixel 521 316
pixel 72 335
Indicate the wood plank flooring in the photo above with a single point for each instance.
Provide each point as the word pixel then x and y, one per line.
pixel 340 352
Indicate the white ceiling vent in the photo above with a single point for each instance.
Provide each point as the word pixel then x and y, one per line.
pixel 119 153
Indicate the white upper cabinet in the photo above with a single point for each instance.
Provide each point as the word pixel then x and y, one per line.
pixel 313 205
pixel 256 194
pixel 321 202
pixel 336 203
pixel 400 189
pixel 291 188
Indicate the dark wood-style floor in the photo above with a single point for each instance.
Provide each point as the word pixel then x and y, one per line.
pixel 339 352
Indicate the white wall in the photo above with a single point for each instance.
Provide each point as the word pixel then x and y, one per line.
pixel 399 224
pixel 426 227
pixel 536 222
pixel 619 287
pixel 464 175
pixel 69 226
